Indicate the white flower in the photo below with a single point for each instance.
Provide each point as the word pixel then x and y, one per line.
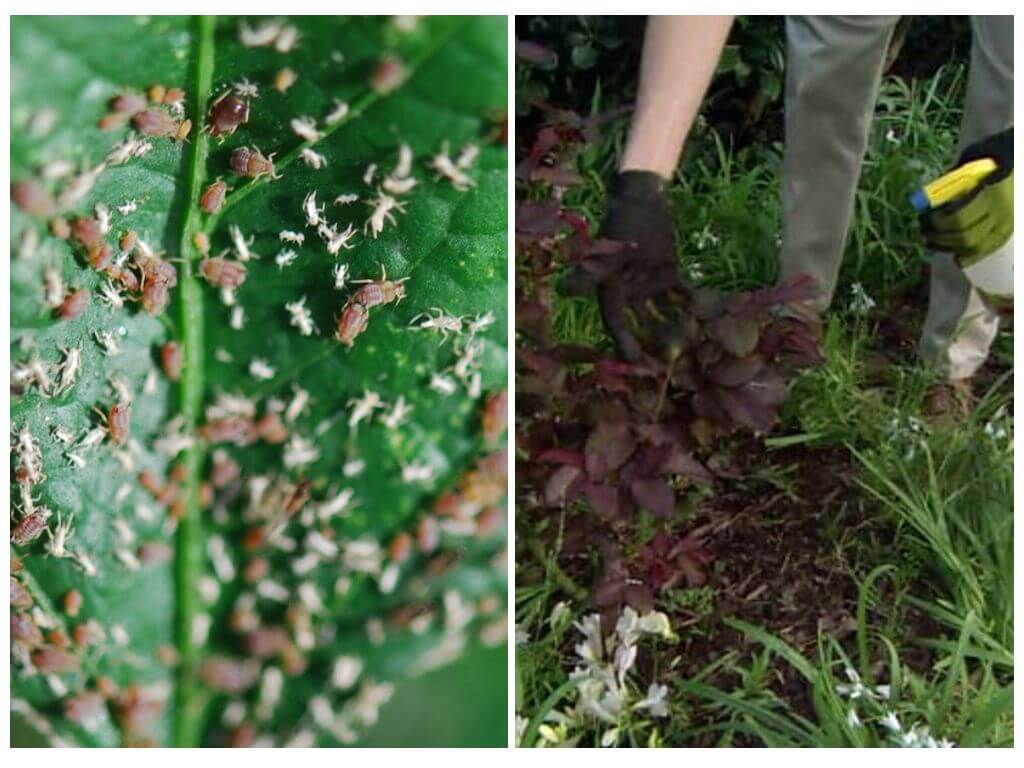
pixel 860 302
pixel 656 623
pixel 654 702
pixel 891 722
pixel 883 691
pixel 559 614
pixel 625 658
pixel 610 737
pixel 853 720
pixel 521 637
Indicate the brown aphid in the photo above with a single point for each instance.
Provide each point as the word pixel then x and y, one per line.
pixel 490 522
pixel 251 163
pixel 20 597
pixel 112 121
pixel 72 603
pixel 225 470
pixel 222 273
pixel 125 277
pixel 85 708
pixel 428 534
pixel 227 112
pixel 298 498
pixel 119 423
pixel 441 564
pixel 30 527
pixel 149 481
pixel 60 228
pixel 137 709
pixel 55 661
pixel 153 553
pixel 213 197
pixel 155 122
pixel 128 103
pixel 228 675
pixel 170 496
pixel 89 633
pixel 107 688
pixel 178 508
pixel 400 547
pixel 256 569
pixel 353 321
pixel 128 240
pixel 100 256
pixel 168 655
pixel 231 429
pixel 74 304
pixel 155 297
pixel 242 736
pixel 388 75
pixel 31 197
pixel 495 416
pixel 58 638
pixel 285 79
pixel 86 232
pixel 172 360
pixel 205 495
pixel 174 96
pixel 24 630
pixel 293 662
pixel 184 129
pixel 156 93
pixel 254 538
pixel 265 642
pixel 271 428
pixel 375 293
pixel 179 472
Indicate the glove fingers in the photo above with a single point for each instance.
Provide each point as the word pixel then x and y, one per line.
pixel 616 314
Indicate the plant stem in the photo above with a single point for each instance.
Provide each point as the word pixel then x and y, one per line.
pixel 189 551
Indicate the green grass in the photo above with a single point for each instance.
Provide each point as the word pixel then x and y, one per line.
pixel 933 557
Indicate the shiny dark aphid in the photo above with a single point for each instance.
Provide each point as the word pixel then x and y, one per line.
pixel 353 321
pixel 226 114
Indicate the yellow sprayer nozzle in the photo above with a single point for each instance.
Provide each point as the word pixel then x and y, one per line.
pixel 952 185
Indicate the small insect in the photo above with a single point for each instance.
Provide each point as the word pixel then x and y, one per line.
pixel 443 322
pixel 60 228
pixel 102 214
pixel 299 452
pixel 155 297
pixel 246 89
pixel 30 527
pixel 261 369
pixel 363 407
pixel 398 414
pixel 284 79
pixel 223 273
pixel 378 292
pixel 480 323
pixel 394 186
pixel 369 174
pixel 226 113
pixel 128 206
pixel 202 243
pixel 285 258
pixel 287 236
pixel 125 150
pixel 313 213
pixel 335 240
pixel 57 544
pixel 337 113
pixel 155 122
pixel 271 429
pixel 228 675
pixel 340 272
pixel 172 359
pixel 446 169
pixel 265 33
pixel 53 288
pixel 237 320
pixel 241 244
pixel 184 129
pixel 467 156
pixel 79 186
pixel 382 205
pixel 416 472
pixel 31 197
pixel 213 197
pixel 353 320
pixel 287 39
pixel 74 304
pixel 346 199
pixel 388 75
pixel 28 243
pixel 86 232
pixel 251 163
pixel 72 603
pixel 313 159
pixel 305 128
pixel 111 295
pixel 443 384
pixel 128 103
pixel 428 534
pixel 118 423
pixel 69 369
pixel 300 317
pixel 494 419
pixel 100 256
pixel 55 661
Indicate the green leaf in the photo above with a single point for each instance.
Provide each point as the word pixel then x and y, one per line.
pixel 449 246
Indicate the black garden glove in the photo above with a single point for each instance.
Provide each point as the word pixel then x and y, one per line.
pixel 635 284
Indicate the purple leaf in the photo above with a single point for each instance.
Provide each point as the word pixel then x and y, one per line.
pixel 608 448
pixel 654 495
pixel 737 333
pixel 737 370
pixel 557 489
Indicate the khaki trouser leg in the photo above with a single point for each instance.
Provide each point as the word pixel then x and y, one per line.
pixel 960 327
pixel 833 70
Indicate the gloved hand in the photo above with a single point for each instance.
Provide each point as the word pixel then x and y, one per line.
pixel 635 283
pixel 980 222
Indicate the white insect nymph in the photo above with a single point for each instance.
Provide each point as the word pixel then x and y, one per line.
pixel 335 240
pixel 261 369
pixel 312 158
pixel 265 33
pixel 443 384
pixel 111 296
pixel 467 156
pixel 69 369
pixel 284 259
pixel 287 236
pixel 108 342
pixel 363 408
pixel 480 323
pixel 313 213
pixel 246 89
pixel 102 217
pixel 447 169
pixel 128 206
pixel 346 199
pixel 340 276
pixel 300 317
pixel 241 244
pixel 296 405
pixel 305 128
pixel 58 537
pixel 369 174
pixel 398 414
pixel 443 322
pixel 382 205
pixel 338 112
pixel 237 321
pixel 416 472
